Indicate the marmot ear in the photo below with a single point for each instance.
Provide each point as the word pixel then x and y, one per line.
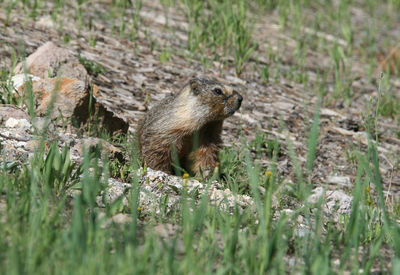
pixel 195 85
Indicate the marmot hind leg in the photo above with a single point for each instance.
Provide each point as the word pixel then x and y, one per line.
pixel 160 161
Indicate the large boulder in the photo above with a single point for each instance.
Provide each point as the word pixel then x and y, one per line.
pixel 58 77
pixel 49 61
pixel 70 96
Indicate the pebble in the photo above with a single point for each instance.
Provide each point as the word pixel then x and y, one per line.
pixel 17 123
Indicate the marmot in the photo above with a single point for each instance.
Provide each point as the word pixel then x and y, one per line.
pixel 184 130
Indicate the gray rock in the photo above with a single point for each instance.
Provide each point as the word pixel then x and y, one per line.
pixel 55 70
pixel 10 111
pixel 340 180
pixel 114 191
pixel 157 186
pixel 17 123
pixel 19 79
pixel 70 97
pixel 166 230
pixel 50 61
pixel 335 202
pixel 42 123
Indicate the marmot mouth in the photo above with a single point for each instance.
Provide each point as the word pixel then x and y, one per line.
pixel 231 111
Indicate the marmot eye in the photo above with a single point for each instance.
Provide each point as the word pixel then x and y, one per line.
pixel 218 91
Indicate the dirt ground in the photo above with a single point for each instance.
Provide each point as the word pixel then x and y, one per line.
pixel 134 73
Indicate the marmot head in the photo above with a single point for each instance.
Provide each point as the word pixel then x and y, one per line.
pixel 222 101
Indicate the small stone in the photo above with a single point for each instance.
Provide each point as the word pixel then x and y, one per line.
pixel 286 106
pixel 335 202
pixel 300 219
pixel 17 123
pixel 20 144
pixel 329 112
pixel 287 211
pixel 45 22
pixel 19 79
pixel 165 230
pixel 339 199
pixel 340 180
pixel 41 123
pixel 31 145
pixel 302 232
pixel 121 218
pixel 235 80
pixel 114 191
pixel 142 107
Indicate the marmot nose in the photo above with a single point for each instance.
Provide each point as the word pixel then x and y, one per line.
pixel 240 98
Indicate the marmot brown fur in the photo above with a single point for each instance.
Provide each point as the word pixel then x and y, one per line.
pixel 184 130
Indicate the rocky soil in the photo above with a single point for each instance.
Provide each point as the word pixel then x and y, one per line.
pixel 134 79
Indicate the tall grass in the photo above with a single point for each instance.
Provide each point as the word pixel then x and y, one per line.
pixel 224 27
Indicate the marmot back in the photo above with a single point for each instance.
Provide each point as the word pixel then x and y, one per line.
pixel 184 130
